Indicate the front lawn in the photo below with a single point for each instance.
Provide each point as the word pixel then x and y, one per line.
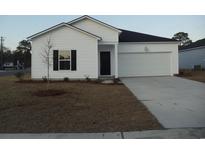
pixel 84 107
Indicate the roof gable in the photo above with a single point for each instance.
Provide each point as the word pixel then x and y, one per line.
pixel 94 20
pixel 60 25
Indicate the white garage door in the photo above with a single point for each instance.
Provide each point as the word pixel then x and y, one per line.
pixel 144 64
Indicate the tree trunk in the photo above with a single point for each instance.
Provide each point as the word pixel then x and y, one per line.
pixel 48 78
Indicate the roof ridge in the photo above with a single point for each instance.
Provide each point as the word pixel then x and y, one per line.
pixel 91 18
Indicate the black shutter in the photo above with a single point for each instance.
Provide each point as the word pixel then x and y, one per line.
pixel 55 60
pixel 73 60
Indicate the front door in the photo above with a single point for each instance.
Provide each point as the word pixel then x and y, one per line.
pixel 105 63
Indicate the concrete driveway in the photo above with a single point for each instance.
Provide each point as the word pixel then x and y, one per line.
pixel 175 102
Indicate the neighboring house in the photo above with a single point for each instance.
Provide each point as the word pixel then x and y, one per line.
pixel 86 47
pixel 193 55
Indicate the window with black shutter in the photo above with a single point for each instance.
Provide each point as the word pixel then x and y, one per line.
pixel 73 60
pixel 55 60
pixel 64 60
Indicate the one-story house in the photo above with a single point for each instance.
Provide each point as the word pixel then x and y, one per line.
pixel 87 47
pixel 193 55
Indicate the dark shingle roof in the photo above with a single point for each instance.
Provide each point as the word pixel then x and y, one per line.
pixel 196 44
pixel 130 36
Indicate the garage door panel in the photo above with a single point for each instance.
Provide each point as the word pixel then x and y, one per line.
pixel 144 64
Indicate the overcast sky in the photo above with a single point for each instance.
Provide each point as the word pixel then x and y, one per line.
pixel 17 28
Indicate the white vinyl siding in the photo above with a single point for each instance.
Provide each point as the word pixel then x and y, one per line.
pixel 65 38
pixel 107 34
pixel 191 57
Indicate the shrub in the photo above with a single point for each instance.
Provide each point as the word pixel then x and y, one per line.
pixel 44 78
pixel 97 81
pixel 19 75
pixel 87 78
pixel 185 72
pixel 181 72
pixel 66 79
pixel 116 80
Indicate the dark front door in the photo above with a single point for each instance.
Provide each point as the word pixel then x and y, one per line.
pixel 105 63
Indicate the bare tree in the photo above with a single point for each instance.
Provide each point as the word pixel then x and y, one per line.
pixel 46 57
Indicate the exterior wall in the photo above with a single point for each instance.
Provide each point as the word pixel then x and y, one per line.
pixel 152 48
pixel 107 34
pixel 112 57
pixel 65 38
pixel 191 57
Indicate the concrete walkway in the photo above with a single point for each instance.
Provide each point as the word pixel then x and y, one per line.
pixel 174 101
pixel 187 133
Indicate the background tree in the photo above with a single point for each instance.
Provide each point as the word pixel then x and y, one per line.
pixel 46 56
pixel 8 56
pixel 183 38
pixel 18 56
pixel 23 53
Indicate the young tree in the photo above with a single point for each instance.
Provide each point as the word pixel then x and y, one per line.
pixel 183 38
pixel 46 57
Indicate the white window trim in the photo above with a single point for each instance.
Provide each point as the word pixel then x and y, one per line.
pixel 63 60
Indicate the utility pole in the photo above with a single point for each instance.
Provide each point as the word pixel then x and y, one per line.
pixel 1 53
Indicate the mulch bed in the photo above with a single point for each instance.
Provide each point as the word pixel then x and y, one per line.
pixel 49 92
pixel 116 81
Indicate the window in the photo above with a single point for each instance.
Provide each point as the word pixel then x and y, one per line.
pixel 64 59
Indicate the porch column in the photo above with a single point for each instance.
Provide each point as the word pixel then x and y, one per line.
pixel 116 60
